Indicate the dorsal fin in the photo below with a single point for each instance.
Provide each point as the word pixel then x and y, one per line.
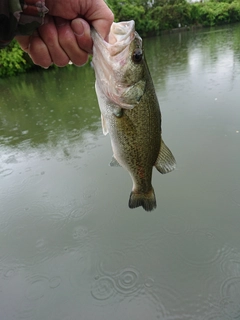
pixel 165 161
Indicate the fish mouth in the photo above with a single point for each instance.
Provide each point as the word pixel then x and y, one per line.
pixel 120 36
pixel 110 59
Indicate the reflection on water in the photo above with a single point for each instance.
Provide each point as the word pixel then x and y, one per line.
pixel 46 107
pixel 70 247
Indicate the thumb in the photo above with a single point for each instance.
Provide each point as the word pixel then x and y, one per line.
pixel 101 18
pixel 102 27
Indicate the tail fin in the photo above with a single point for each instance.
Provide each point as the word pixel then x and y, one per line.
pixel 146 200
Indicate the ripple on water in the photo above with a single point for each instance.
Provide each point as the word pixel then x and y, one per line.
pixel 202 246
pixel 77 213
pixel 202 306
pixel 6 172
pixel 83 238
pixel 143 306
pixel 126 286
pixel 128 281
pixel 55 282
pixel 230 291
pixel 30 182
pixel 61 214
pixel 103 288
pixel 80 233
pixel 230 308
pixel 111 263
pixel 149 282
pixel 37 287
pixel 11 159
pixel 124 281
pixel 28 247
pixel 76 209
pixel 79 269
pixel 26 313
pixel 173 224
pixel 26 184
pixel 168 301
pixel 10 273
pixel 231 264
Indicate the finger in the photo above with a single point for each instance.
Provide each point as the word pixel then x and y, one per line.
pixel 24 42
pixel 101 17
pixel 72 44
pixel 39 53
pixel 81 30
pixel 49 34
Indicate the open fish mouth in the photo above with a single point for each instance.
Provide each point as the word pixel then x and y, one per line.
pixel 121 35
pixel 111 60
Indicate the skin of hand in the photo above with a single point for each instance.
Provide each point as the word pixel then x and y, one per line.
pixel 65 34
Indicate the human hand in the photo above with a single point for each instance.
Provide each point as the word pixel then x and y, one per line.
pixel 65 36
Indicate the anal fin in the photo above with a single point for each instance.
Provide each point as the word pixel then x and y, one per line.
pixel 114 162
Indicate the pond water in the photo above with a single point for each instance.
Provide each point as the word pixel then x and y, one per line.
pixel 70 248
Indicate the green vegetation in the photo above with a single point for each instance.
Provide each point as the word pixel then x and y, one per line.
pixel 159 15
pixel 13 60
pixel 151 18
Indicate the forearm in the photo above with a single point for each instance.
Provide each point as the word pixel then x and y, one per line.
pixel 20 17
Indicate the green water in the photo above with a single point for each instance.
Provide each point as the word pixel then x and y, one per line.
pixel 70 248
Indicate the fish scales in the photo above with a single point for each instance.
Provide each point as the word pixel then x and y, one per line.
pixel 130 110
pixel 136 138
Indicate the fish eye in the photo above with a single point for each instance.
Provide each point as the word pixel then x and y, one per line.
pixel 137 55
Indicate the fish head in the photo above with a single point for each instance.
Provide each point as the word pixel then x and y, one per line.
pixel 119 64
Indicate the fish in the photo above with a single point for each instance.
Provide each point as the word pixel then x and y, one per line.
pixel 130 111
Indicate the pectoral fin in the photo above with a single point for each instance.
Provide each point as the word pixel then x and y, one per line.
pixel 133 95
pixel 165 162
pixel 104 126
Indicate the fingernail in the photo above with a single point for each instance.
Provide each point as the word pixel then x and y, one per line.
pixel 77 27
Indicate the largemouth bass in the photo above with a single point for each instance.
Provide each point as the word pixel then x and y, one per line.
pixel 130 110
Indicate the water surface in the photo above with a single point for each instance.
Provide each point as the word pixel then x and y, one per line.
pixel 70 248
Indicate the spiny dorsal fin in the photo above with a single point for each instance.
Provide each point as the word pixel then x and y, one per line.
pixel 165 162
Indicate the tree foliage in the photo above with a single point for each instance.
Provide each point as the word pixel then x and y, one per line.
pixel 13 60
pixel 154 16
pixel 151 18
